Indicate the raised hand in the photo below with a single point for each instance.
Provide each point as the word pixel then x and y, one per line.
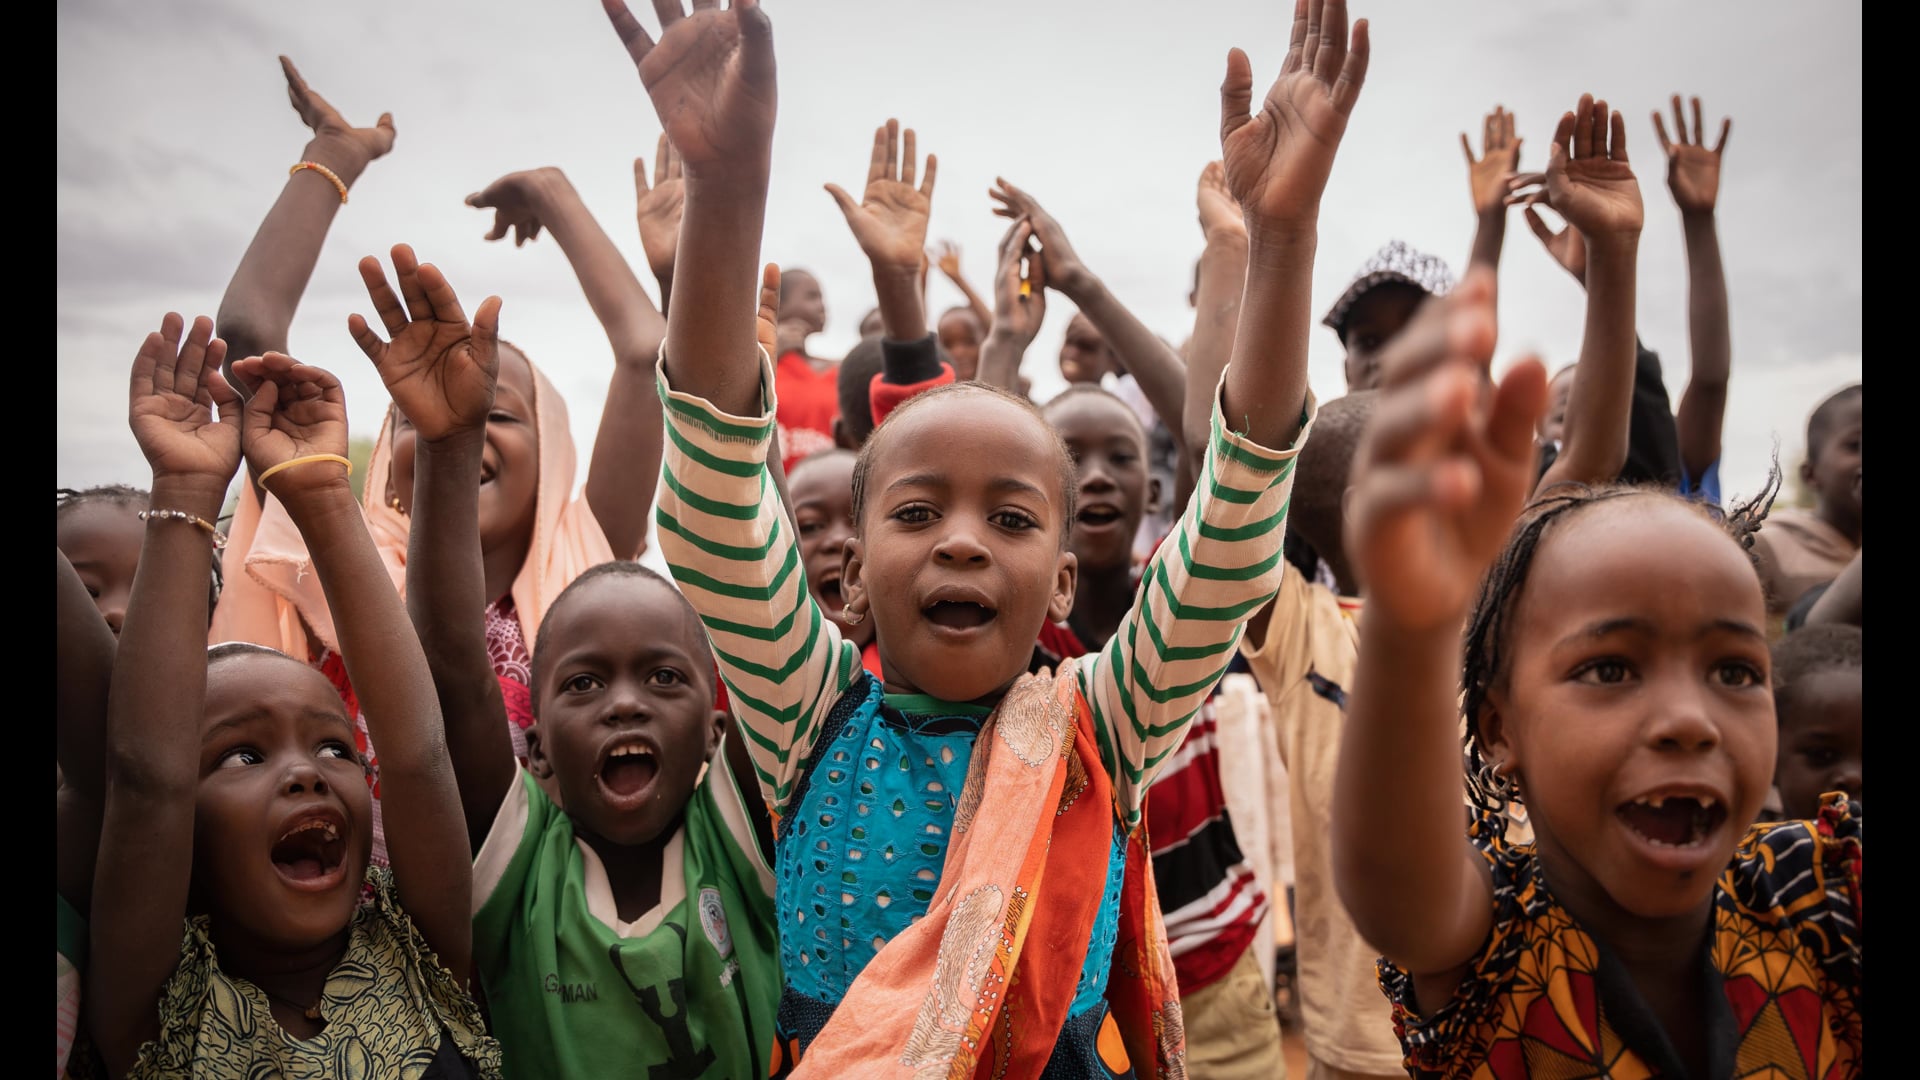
pixel 948 260
pixel 296 411
pixel 183 414
pixel 711 79
pixel 514 201
pixel 1500 158
pixel 658 208
pixel 765 327
pixel 1219 214
pixel 1064 270
pixel 1588 180
pixel 1017 312
pixel 1693 171
pixel 1277 160
pixel 365 144
pixel 439 368
pixel 1566 246
pixel 1438 479
pixel 890 220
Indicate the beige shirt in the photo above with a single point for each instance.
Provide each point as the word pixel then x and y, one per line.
pixel 1306 663
pixel 1798 550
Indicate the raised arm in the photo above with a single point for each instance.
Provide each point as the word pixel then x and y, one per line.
pixel 711 78
pixel 83 666
pixel 1436 485
pixel 1216 309
pixel 298 411
pixel 949 263
pixel 890 224
pixel 1156 367
pixel 1487 178
pixel 1589 182
pixel 260 300
pixel 1693 175
pixel 1845 598
pixel 441 373
pixel 159 687
pixel 1019 307
pixel 628 443
pixel 657 210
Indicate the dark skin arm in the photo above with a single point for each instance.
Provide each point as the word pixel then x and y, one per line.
pixel 441 372
pixel 1016 317
pixel 83 667
pixel 266 288
pixel 949 263
pixel 1487 181
pixel 631 428
pixel 1216 318
pixel 299 410
pixel 890 224
pixel 159 683
pixel 1693 175
pixel 1589 182
pixel 711 78
pixel 1845 599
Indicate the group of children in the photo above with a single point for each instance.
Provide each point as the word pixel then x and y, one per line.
pixel 867 719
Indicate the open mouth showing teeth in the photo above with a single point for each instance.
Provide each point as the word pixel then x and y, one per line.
pixel 310 851
pixel 1097 516
pixel 959 615
pixel 830 597
pixel 628 770
pixel 1673 820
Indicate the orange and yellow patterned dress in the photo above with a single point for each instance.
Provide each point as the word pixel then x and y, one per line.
pixel 1547 999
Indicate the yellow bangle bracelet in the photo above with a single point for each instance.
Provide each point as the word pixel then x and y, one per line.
pixel 338 184
pixel 309 459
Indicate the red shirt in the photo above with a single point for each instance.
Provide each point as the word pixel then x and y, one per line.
pixel 809 404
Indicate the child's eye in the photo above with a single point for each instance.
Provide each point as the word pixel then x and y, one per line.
pixel 337 750
pixel 498 417
pixel 1013 519
pixel 239 756
pixel 1603 672
pixel 1819 757
pixel 580 684
pixel 1737 674
pixel 913 515
pixel 808 528
pixel 667 677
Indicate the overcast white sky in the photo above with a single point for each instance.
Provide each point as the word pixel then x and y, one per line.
pixel 175 136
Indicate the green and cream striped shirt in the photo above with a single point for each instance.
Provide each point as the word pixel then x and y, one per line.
pixel 734 555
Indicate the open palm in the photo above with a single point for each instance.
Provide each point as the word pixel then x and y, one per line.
pixel 711 77
pixel 439 369
pixel 1277 160
pixel 657 209
pixel 890 220
pixel 1487 175
pixel 173 395
pixel 1588 179
pixel 1693 170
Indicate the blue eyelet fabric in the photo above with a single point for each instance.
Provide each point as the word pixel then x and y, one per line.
pixel 860 853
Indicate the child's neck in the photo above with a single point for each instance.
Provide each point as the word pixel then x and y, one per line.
pixel 1843 521
pixel 502 565
pixel 293 980
pixel 1101 600
pixel 634 871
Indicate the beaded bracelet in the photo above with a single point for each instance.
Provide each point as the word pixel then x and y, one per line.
pixel 338 184
pixel 219 539
pixel 309 459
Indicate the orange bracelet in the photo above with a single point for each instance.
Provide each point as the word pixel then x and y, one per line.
pixel 338 184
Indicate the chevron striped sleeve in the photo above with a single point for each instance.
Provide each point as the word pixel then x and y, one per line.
pixel 1220 565
pixel 732 551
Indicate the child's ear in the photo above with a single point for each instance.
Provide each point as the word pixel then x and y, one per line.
pixel 1491 728
pixel 716 730
pixel 843 438
pixel 1066 577
pixel 1806 471
pixel 853 587
pixel 1154 494
pixel 537 762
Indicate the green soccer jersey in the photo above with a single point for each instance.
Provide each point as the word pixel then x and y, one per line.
pixel 687 990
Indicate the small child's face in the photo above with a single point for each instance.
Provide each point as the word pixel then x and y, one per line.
pixel 509 466
pixel 959 556
pixel 102 540
pixel 1820 747
pixel 1379 314
pixel 1636 708
pixel 1835 463
pixel 960 335
pixel 626 708
pixel 802 300
pixel 1553 423
pixel 1111 460
pixel 283 825
pixel 1083 354
pixel 871 325
pixel 822 493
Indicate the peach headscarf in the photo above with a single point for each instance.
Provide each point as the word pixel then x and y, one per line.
pixel 271 590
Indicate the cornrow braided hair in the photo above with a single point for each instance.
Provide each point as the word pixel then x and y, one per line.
pixel 1485 655
pixel 132 498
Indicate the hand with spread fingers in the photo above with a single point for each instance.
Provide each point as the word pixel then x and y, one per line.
pixel 1277 159
pixel 1065 271
pixel 183 414
pixel 1588 180
pixel 711 77
pixel 1487 175
pixel 1693 171
pixel 515 202
pixel 890 220
pixel 361 145
pixel 439 368
pixel 1565 245
pixel 657 208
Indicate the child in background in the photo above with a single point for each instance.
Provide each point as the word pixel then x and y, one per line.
pixel 1800 549
pixel 961 332
pixel 949 263
pixel 809 401
pixel 632 930
pixel 98 530
pixel 1616 680
pixel 1818 695
pixel 963 501
pixel 258 829
pixel 821 488
pixel 83 667
pixel 1378 303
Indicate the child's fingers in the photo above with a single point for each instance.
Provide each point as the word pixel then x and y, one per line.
pixel 1563 133
pixel 1618 135
pixel 1582 143
pixel 1540 227
pixel 486 332
pixel 926 181
pixel 1509 121
pixel 226 400
pixel 1236 90
pixel 1417 423
pixel 1310 49
pixel 169 356
pixel 631 33
pixel 145 362
pixel 662 151
pixel 193 354
pixel 1660 130
pixel 1353 71
pixel 706 5
pixel 1466 147
pixel 909 167
pixel 500 225
pixel 756 39
pixel 877 161
pixel 257 416
pixel 386 302
pixel 406 267
pixel 1525 179
pixel 1386 495
pixel 1331 57
pixel 1517 406
pixel 669 12
pixel 1699 128
pixel 1726 128
pixel 847 205
pixel 445 306
pixel 1486 132
pixel 1679 121
pixel 893 149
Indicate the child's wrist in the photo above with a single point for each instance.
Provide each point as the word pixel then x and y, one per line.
pixel 198 495
pixel 344 157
